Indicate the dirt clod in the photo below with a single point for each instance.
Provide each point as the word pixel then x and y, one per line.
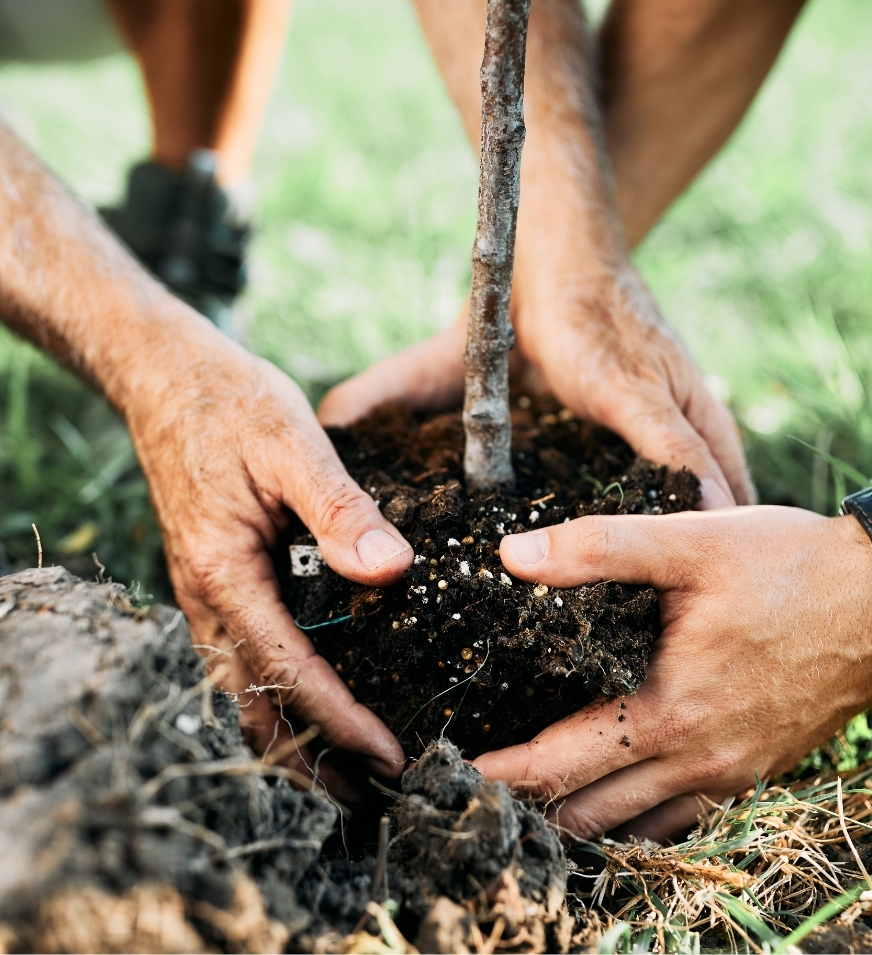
pixel 129 822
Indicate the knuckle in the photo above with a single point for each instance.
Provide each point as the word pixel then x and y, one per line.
pixel 273 668
pixel 680 442
pixel 205 578
pixel 541 778
pixel 593 542
pixel 675 733
pixel 342 504
pixel 581 820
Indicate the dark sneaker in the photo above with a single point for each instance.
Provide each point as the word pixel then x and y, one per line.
pixel 182 227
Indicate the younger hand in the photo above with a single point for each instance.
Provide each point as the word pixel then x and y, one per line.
pixel 765 652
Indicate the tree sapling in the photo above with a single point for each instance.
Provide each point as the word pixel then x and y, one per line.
pixel 486 419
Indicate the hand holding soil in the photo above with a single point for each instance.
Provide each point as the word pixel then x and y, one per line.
pixel 605 351
pixel 764 654
pixel 227 443
pixel 227 450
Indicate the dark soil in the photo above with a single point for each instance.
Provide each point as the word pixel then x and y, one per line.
pixel 133 818
pixel 459 645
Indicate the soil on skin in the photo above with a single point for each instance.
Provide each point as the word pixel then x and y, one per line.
pixel 459 641
pixel 134 818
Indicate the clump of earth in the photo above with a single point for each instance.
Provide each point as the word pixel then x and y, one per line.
pixel 460 645
pixel 134 818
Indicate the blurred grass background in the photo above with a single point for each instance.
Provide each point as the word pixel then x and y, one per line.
pixel 366 214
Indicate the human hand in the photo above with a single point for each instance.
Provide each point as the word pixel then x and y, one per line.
pixel 765 652
pixel 600 344
pixel 228 443
pixel 605 352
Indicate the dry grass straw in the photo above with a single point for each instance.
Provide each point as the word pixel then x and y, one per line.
pixel 760 874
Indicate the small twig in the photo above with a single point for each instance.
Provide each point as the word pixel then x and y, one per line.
pixel 289 745
pixel 38 547
pixel 275 736
pixel 101 567
pixel 495 936
pixel 266 845
pixel 384 789
pixel 542 500
pixel 230 767
pixel 380 877
pixel 486 418
pixel 86 728
pixel 851 845
pixel 168 817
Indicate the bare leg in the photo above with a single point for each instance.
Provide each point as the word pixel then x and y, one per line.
pixel 678 75
pixel 208 67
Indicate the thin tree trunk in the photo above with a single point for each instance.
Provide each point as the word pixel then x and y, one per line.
pixel 488 458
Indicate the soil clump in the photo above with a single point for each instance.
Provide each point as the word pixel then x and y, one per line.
pixel 458 644
pixel 134 818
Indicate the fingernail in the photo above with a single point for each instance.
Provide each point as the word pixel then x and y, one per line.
pixel 713 495
pixel 527 549
pixel 378 547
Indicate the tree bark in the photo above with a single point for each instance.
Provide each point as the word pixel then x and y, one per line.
pixel 488 458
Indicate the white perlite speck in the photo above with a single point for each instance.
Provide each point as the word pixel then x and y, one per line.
pixel 505 581
pixel 188 723
pixel 306 560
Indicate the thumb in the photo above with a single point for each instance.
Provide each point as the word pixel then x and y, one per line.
pixel 632 549
pixel 353 535
pixel 426 375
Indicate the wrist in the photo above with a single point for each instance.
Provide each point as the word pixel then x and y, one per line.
pixel 158 348
pixel 851 550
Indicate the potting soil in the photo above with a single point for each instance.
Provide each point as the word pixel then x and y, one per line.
pixel 460 646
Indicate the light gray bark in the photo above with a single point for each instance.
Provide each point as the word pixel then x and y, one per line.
pixel 488 426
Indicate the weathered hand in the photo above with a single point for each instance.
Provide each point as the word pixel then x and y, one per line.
pixel 228 443
pixel 765 652
pixel 601 346
pixel 604 350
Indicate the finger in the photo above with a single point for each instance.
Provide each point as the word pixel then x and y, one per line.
pixel 713 421
pixel 635 549
pixel 600 738
pixel 671 821
pixel 656 792
pixel 660 432
pixel 429 374
pixel 243 598
pixel 273 732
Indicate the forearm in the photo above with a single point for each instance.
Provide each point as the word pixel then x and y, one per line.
pixel 69 286
pixel 678 76
pixel 565 183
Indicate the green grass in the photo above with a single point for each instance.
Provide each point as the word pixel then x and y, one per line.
pixel 365 223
